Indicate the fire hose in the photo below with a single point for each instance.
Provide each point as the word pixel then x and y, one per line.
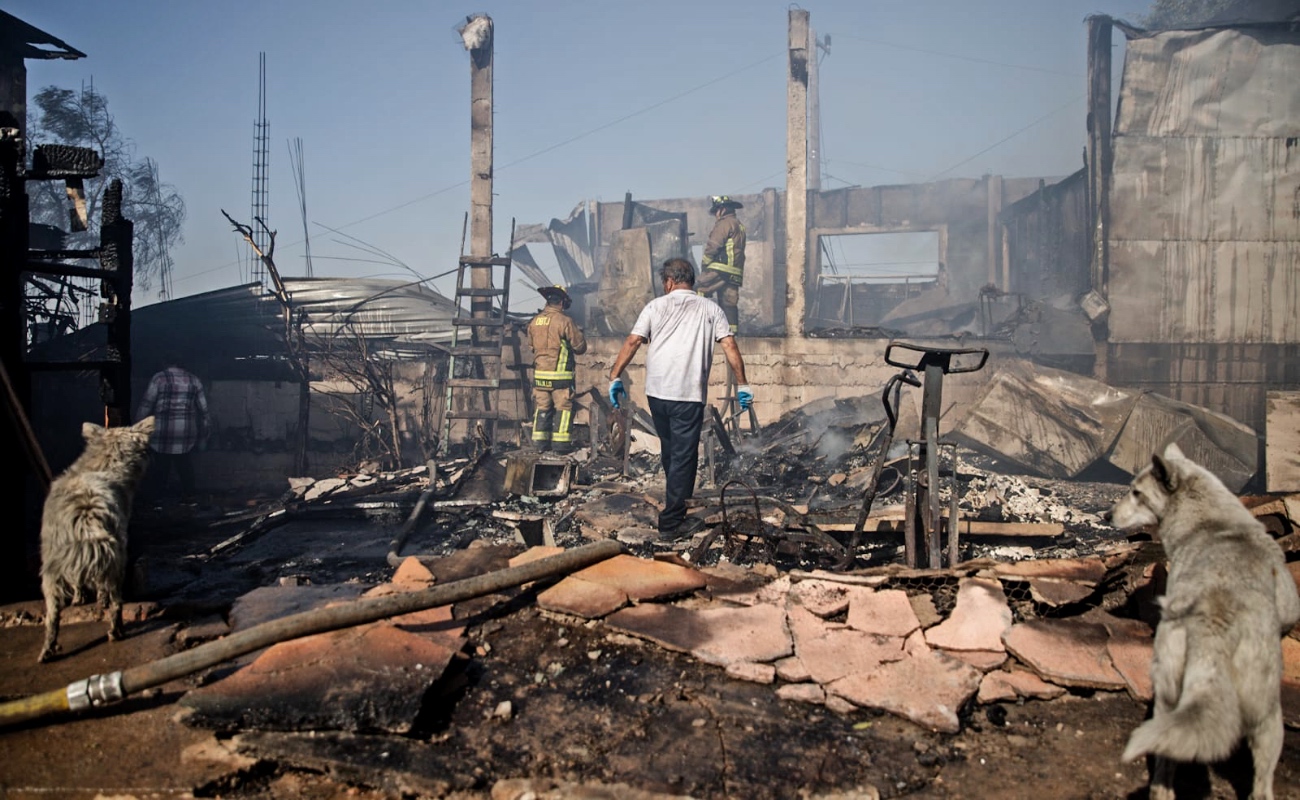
pixel 102 690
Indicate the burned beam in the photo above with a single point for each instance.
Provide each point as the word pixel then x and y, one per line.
pixel 59 161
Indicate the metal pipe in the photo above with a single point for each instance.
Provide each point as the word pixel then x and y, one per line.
pixel 100 690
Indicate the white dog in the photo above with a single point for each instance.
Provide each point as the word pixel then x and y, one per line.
pixel 1218 657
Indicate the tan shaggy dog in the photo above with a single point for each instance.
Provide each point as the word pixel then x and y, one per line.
pixel 83 527
pixel 1229 599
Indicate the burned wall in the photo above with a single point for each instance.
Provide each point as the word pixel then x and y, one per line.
pixel 1204 243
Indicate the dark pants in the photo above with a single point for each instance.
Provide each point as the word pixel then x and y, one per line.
pixel 678 424
pixel 160 472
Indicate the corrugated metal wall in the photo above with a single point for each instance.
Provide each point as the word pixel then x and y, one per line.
pixel 1205 198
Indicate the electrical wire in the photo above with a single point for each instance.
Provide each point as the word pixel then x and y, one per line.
pixel 535 154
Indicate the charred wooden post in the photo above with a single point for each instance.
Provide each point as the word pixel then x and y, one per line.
pixel 1098 155
pixel 118 259
pixel 15 554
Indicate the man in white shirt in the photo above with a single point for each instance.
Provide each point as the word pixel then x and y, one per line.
pixel 681 328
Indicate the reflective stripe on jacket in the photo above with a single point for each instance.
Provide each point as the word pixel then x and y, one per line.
pixel 725 250
pixel 555 340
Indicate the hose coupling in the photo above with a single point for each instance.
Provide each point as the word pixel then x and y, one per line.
pixel 97 690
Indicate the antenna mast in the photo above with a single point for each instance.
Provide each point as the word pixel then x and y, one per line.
pixel 261 165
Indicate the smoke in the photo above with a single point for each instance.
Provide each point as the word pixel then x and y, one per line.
pixel 833 443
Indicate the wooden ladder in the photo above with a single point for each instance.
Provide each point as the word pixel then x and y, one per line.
pixel 475 369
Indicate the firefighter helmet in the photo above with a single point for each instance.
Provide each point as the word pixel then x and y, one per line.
pixel 723 201
pixel 556 294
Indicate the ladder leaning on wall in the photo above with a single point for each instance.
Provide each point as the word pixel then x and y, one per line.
pixel 474 370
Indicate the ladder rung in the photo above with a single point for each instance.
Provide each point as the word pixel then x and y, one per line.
pixel 471 350
pixel 475 383
pixel 480 292
pixel 476 415
pixel 495 261
pixel 478 322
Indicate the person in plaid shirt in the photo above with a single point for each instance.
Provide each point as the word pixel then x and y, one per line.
pixel 175 397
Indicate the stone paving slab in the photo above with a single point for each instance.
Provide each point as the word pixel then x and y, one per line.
pixel 982 660
pixel 927 687
pixel 266 603
pixel 368 677
pixel 582 598
pixel 978 621
pixel 1291 662
pixel 1055 592
pixel 616 512
pixel 1087 570
pixel 812 693
pixel 412 574
pixel 1131 647
pixel 830 652
pixel 823 598
pixel 1001 686
pixel 718 636
pixel 885 612
pixel 643 579
pixel 752 672
pixel 1068 652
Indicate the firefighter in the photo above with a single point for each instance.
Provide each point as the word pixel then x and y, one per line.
pixel 555 340
pixel 723 270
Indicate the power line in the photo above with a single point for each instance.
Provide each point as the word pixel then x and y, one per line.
pixel 1008 138
pixel 544 150
pixel 960 57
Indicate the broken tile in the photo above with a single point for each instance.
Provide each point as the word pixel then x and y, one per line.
pixel 1001 685
pixel 535 554
pixel 368 677
pixel 266 603
pixel 1069 652
pixel 978 621
pixel 1131 648
pixel 792 670
pixel 411 574
pixel 1291 662
pixel 643 579
pixel 831 652
pixel 1084 570
pixel 823 598
pixel 749 671
pixel 719 636
pixel 982 660
pixel 616 512
pixel 582 598
pixel 811 693
pixel 885 612
pixel 774 592
pixel 479 558
pixel 927 687
pixel 1055 592
pixel 923 607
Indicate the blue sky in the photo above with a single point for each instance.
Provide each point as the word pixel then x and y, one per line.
pixel 593 98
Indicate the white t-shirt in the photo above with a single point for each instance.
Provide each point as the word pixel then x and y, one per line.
pixel 681 328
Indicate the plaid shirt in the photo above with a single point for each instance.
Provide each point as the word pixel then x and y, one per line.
pixel 175 397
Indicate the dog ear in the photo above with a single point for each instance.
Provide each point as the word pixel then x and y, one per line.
pixel 90 430
pixel 1172 451
pixel 145 425
pixel 1164 472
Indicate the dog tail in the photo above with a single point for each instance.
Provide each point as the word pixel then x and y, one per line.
pixel 1204 727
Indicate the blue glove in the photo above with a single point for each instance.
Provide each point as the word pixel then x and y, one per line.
pixel 616 389
pixel 745 396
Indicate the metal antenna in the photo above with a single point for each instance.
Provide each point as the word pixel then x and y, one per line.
pixel 261 168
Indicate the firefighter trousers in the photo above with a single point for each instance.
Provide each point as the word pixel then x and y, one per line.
pixel 553 419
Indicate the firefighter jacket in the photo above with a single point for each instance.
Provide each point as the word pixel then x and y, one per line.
pixel 725 250
pixel 555 340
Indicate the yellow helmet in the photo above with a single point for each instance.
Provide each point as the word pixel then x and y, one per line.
pixel 723 201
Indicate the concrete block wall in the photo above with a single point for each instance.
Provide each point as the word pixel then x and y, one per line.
pixel 786 374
